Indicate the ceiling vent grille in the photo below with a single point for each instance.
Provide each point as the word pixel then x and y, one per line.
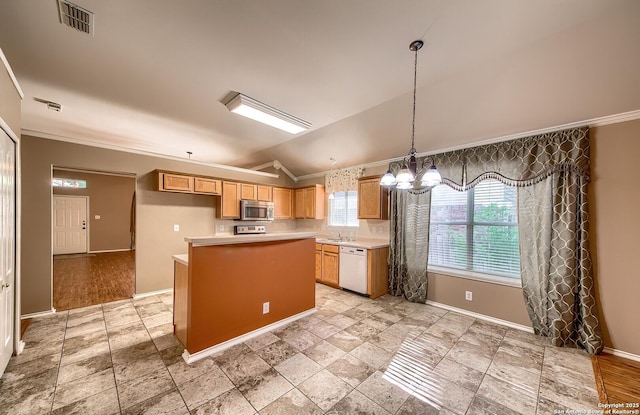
pixel 76 17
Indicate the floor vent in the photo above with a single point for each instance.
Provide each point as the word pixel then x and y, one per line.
pixel 76 17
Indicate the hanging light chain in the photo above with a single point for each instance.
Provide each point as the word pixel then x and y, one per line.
pixel 415 77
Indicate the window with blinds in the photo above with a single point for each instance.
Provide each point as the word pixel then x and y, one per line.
pixel 343 209
pixel 476 230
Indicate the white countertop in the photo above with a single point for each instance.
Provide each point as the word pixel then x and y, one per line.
pixel 183 258
pixel 360 243
pixel 227 239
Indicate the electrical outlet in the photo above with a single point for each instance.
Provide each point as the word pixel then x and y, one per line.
pixel 176 228
pixel 97 217
pixel 265 308
pixel 221 228
pixel 468 295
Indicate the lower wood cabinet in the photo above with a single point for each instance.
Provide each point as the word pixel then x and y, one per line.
pixel 377 272
pixel 180 300
pixel 318 262
pixel 328 264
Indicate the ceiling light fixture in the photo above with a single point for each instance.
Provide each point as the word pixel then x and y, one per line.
pixel 256 110
pixel 406 177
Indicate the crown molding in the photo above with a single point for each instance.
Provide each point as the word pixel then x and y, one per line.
pixel 56 137
pixel 593 122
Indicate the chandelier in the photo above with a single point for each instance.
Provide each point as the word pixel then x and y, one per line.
pixel 406 177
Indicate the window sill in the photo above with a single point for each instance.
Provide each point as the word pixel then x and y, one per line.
pixel 475 276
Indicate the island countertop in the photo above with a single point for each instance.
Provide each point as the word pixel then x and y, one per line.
pixel 227 239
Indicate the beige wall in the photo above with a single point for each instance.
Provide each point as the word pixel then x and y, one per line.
pixel 156 212
pixel 614 231
pixel 110 198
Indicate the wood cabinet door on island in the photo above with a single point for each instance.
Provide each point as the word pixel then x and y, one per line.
pixel 373 199
pixel 228 205
pixel 282 203
pixel 318 262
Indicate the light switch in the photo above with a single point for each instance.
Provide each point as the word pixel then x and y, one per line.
pixel 176 228
pixel 96 217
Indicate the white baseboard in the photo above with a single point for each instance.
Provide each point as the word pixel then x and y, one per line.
pixel 190 358
pixel 620 353
pixel 110 250
pixel 137 296
pixel 482 316
pixel 38 314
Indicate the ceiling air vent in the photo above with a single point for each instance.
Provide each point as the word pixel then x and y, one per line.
pixel 76 17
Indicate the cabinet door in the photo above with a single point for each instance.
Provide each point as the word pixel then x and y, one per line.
pixel 265 193
pixel 176 182
pixel 373 200
pixel 180 300
pixel 282 203
pixel 310 202
pixel 330 268
pixel 229 202
pixel 208 186
pixel 300 207
pixel 249 192
pixel 319 265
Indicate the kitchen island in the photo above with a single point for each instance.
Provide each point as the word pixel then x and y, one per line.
pixel 230 288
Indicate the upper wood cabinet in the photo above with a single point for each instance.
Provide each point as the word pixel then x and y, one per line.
pixel 249 191
pixel 282 203
pixel 373 199
pixel 228 205
pixel 207 186
pixel 265 193
pixel 171 182
pixel 309 202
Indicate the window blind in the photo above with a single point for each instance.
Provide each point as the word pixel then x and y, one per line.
pixel 476 230
pixel 343 209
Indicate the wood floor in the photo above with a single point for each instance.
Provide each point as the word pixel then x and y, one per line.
pixel 617 379
pixel 89 279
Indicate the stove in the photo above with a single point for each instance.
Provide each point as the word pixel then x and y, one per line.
pixel 249 229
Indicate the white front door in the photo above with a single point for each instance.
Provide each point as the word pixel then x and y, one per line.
pixel 69 224
pixel 7 246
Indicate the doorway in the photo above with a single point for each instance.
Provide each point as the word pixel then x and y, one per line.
pixel 7 246
pixel 93 219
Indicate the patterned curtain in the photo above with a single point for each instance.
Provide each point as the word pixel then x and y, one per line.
pixel 343 179
pixel 409 245
pixel 551 172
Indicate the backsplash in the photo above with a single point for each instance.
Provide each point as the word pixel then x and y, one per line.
pixel 368 229
pixel 281 225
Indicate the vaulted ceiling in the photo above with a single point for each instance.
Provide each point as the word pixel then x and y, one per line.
pixel 154 74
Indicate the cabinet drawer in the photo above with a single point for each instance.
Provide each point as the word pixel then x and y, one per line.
pixel 331 248
pixel 318 247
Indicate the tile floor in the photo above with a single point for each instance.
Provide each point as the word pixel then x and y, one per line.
pixel 354 356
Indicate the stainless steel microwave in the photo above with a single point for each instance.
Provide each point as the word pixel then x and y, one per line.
pixel 256 210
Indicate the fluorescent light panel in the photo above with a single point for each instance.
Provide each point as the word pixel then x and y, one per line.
pixel 256 110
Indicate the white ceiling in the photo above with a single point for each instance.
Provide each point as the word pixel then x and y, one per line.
pixel 153 76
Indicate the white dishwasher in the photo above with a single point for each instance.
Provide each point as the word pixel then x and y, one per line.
pixel 353 269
